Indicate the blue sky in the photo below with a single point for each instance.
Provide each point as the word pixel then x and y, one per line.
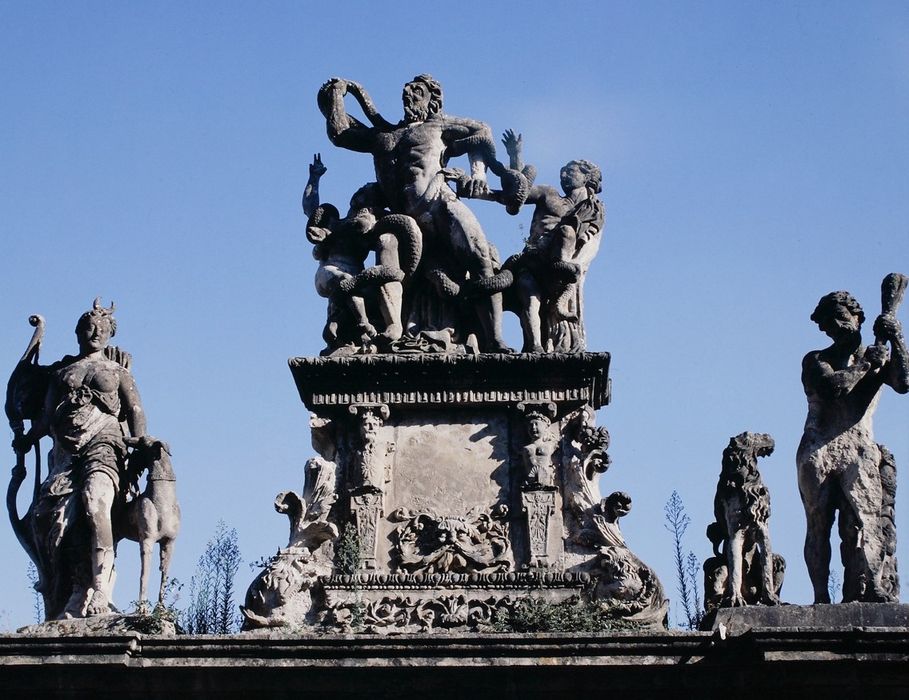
pixel 755 157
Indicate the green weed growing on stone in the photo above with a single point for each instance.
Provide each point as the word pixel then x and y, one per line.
pixel 348 550
pixel 572 615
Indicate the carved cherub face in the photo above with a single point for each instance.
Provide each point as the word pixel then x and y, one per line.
pixel 537 426
pixel 572 177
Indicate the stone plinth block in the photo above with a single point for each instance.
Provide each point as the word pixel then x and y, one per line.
pixel 844 615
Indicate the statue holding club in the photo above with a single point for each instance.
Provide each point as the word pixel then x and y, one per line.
pixel 840 466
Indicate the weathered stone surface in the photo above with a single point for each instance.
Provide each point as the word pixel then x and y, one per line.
pixel 821 617
pixel 453 456
pixel 783 663
pixel 465 483
pixel 88 500
pixel 840 466
pixel 110 624
pixel 743 570
pixel 437 284
pixel 447 381
pixel 458 264
pixel 565 235
pixel 477 441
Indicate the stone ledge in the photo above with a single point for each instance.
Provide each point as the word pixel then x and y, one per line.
pixel 444 380
pixel 870 662
pixel 809 617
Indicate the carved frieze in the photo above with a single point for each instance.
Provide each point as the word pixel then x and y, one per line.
pixel 440 381
pixel 430 543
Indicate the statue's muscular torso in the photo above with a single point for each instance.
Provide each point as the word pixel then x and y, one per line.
pixel 407 159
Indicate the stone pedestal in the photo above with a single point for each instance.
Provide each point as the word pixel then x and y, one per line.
pixel 459 484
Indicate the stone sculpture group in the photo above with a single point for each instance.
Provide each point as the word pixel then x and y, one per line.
pixel 453 478
pixel 437 283
pixel 465 475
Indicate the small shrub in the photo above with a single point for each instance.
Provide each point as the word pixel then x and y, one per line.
pixel 212 609
pixel 37 600
pixel 348 550
pixel 163 617
pixel 572 615
pixel 688 568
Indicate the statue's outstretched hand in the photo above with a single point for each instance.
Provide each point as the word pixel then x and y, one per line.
pixel 473 188
pixel 316 169
pixel 511 142
pixel 334 84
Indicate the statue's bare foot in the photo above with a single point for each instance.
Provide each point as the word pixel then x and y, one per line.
pixel 75 606
pixel 393 332
pixel 99 605
pixel 733 601
pixel 367 332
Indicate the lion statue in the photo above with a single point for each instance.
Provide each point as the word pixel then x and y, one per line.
pixel 743 570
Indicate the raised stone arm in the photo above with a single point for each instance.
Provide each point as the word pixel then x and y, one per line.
pixel 513 144
pixel 369 108
pixel 896 371
pixel 475 139
pixel 343 130
pixel 887 328
pixel 311 193
pixel 829 383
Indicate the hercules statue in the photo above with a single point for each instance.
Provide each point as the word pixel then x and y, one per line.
pixel 840 466
pixel 410 159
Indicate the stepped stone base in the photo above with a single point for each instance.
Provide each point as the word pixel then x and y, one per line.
pixel 845 615
pixel 780 663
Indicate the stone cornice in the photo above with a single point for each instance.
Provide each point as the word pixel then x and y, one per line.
pixel 451 380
